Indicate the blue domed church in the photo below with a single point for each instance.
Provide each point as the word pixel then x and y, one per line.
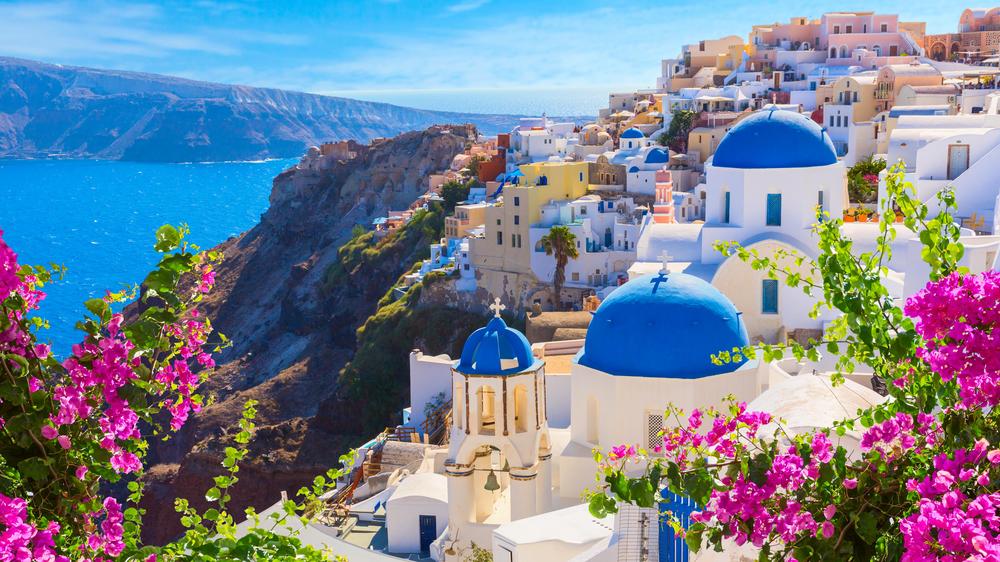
pixel 764 185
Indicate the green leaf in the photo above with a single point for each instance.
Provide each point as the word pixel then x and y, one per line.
pixel 98 307
pixel 596 506
pixel 167 238
pixel 33 468
pixel 867 526
pixel 693 537
pixel 213 494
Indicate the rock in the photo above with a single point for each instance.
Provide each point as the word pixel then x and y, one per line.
pixel 292 330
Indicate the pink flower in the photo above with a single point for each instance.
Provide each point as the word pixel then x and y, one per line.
pixel 125 462
pixel 64 442
pixel 826 529
pixel 34 384
pixel 622 452
pixel 829 511
pixel 81 472
pixel 49 432
pixel 850 483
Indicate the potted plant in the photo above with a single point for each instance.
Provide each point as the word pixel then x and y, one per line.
pixel 849 215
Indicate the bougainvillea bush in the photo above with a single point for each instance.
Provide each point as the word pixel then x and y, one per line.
pixel 71 428
pixel 924 484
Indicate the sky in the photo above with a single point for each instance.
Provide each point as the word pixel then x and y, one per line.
pixel 368 47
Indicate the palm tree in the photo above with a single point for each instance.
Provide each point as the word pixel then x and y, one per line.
pixel 561 243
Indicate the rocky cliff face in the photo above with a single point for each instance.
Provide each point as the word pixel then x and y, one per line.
pixel 48 109
pixel 292 310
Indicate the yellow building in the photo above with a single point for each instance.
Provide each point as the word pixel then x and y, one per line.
pixel 505 246
pixel 704 140
pixel 466 217
pixel 858 91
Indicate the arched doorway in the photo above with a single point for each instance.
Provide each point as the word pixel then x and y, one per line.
pixel 938 51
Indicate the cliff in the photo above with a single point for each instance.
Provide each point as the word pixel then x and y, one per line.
pixel 54 110
pixel 292 294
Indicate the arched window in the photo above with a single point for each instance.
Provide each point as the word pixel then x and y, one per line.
pixel 877 49
pixel 520 408
pixel 458 405
pixel 486 402
pixel 833 52
pixel 843 51
pixel 593 433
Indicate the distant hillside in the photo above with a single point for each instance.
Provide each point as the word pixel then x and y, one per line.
pixel 51 110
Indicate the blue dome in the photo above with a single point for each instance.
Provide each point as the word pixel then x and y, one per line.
pixel 663 326
pixel 775 138
pixel 496 350
pixel 657 156
pixel 633 169
pixel 633 133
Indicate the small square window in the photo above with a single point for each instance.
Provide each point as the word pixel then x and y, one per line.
pixel 517 219
pixel 517 201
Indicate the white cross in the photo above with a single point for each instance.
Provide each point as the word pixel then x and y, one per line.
pixel 665 258
pixel 496 307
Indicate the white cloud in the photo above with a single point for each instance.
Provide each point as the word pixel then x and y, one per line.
pixel 70 31
pixel 466 6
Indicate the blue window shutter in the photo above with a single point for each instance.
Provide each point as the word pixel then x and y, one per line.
pixel 773 209
pixel 726 217
pixel 769 296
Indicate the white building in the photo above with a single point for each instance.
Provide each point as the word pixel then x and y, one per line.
pixel 606 235
pixel 537 139
pixel 961 151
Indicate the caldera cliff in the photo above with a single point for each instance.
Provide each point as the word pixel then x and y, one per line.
pixel 291 295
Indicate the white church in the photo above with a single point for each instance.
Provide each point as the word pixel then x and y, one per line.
pixel 525 418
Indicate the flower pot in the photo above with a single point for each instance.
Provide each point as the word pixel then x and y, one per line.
pixel 899 218
pixel 848 218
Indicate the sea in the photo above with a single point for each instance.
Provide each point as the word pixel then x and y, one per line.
pixel 561 102
pixel 97 219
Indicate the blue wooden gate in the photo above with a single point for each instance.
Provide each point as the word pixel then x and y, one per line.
pixel 674 548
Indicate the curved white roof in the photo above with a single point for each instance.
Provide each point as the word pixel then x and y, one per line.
pixel 573 525
pixel 807 401
pixel 423 485
pixel 681 240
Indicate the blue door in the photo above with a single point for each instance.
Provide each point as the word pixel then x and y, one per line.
pixel 675 548
pixel 773 209
pixel 428 532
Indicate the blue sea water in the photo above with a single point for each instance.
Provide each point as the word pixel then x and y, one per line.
pixel 97 218
pixel 577 101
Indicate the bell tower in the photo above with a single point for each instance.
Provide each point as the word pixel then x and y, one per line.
pixel 499 465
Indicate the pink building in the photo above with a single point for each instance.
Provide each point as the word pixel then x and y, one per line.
pixel 663 204
pixel 843 32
